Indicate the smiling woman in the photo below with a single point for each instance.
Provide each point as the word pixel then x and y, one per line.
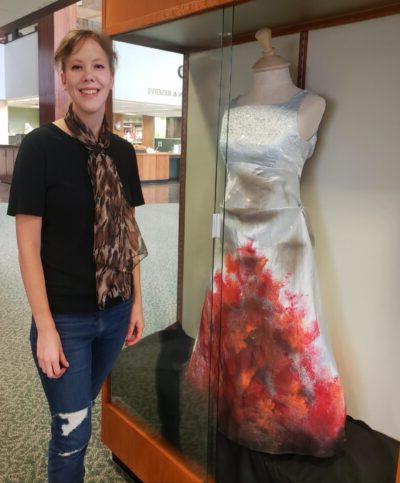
pixel 74 189
pixel 87 63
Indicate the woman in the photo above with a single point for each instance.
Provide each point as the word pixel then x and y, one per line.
pixel 74 190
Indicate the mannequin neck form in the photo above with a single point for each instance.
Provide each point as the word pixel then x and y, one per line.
pixel 273 79
pixel 271 87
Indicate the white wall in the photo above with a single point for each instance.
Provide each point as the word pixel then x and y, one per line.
pixel 147 75
pixel 21 67
pixel 2 73
pixel 351 190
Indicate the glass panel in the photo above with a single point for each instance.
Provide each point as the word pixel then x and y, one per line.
pixel 144 106
pixel 213 93
pixel 149 381
pixel 265 365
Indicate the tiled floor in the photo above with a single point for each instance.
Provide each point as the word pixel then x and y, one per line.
pixel 153 193
pixel 167 192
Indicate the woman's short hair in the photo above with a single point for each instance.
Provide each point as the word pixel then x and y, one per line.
pixel 75 37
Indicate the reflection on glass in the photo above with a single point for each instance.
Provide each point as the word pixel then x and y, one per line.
pixel 149 380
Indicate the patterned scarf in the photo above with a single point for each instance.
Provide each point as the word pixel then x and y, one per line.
pixel 118 244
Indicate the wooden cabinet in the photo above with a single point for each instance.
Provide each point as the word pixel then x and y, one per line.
pixel 153 167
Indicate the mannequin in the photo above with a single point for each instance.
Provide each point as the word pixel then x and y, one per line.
pixel 273 85
pixel 261 340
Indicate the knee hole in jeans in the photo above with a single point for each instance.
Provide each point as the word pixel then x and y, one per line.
pixel 66 423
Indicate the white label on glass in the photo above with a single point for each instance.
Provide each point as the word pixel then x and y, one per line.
pixel 216 226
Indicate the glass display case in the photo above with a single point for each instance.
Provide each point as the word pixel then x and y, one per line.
pixel 245 288
pixel 149 382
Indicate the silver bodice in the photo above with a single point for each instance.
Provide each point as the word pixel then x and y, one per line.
pixel 265 156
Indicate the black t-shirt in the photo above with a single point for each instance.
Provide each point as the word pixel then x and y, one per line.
pixel 51 180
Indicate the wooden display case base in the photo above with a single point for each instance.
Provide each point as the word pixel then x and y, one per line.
pixel 126 470
pixel 137 451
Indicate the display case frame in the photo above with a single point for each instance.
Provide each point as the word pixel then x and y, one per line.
pixel 147 457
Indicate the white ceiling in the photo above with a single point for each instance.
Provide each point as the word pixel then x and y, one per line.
pixel 146 108
pixel 11 10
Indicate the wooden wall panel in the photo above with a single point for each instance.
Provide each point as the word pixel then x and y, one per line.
pixel 64 21
pixel 148 131
pixel 53 100
pixel 46 70
pixel 124 15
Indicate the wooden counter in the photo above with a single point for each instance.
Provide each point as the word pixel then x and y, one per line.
pixel 154 167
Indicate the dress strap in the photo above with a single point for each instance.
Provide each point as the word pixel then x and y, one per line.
pixel 296 100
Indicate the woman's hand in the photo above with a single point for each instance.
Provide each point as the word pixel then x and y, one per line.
pixel 50 354
pixel 136 325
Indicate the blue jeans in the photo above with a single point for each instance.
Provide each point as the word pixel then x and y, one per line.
pixel 91 344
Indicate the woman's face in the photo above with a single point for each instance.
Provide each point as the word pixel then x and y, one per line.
pixel 88 78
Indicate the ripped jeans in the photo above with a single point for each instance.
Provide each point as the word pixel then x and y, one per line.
pixel 91 344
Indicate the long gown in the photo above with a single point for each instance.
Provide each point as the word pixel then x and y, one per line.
pixel 261 342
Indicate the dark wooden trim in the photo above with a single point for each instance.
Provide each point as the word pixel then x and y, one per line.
pixel 334 21
pixel 47 98
pixel 35 17
pixel 182 185
pixel 109 104
pixel 302 67
pixel 103 15
pixel 147 456
pixel 53 100
pixel 109 110
pixel 398 469
pixel 106 391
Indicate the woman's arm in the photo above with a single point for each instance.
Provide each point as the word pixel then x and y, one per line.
pixel 49 349
pixel 136 324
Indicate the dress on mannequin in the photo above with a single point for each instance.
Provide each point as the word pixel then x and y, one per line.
pixel 278 390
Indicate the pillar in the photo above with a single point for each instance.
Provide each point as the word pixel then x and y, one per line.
pixel 3 122
pixel 53 100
